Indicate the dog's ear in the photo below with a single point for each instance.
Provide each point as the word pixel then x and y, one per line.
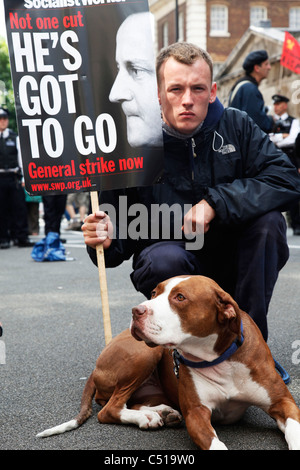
pixel 228 311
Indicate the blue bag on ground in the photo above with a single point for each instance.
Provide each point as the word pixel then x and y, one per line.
pixel 49 248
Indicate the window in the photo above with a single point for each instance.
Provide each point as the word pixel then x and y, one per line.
pixel 258 14
pixel 295 18
pixel 219 20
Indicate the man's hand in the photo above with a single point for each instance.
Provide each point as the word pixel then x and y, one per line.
pixel 198 218
pixel 97 229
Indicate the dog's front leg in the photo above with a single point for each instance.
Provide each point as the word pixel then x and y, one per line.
pixel 198 423
pixel 287 415
pixel 197 416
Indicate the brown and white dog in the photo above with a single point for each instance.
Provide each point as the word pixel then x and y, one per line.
pixel 205 326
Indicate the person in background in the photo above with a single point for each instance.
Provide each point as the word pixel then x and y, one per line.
pixel 286 128
pixel 77 207
pixel 13 215
pixel 245 94
pixel 33 203
pixel 285 132
pixel 297 152
pixel 54 209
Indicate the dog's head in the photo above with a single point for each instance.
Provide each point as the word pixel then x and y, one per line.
pixel 187 312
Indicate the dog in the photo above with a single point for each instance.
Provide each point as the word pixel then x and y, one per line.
pixel 190 354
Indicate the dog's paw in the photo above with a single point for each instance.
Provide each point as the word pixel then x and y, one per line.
pixel 143 418
pixel 168 416
pixel 216 444
pixel 172 418
pixel 152 420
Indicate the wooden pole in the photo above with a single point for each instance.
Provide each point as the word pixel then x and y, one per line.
pixel 280 79
pixel 102 277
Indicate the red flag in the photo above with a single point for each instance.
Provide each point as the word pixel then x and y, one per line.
pixel 290 57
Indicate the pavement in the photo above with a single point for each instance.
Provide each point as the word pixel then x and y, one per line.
pixel 53 333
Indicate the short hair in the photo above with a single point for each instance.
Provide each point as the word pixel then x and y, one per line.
pixel 183 52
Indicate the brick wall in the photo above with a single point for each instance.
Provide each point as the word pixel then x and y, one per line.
pixel 239 22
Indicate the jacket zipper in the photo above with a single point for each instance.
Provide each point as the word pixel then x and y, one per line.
pixel 194 155
pixel 193 147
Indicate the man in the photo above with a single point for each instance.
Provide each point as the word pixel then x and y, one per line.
pixel 245 94
pixel 13 216
pixel 221 162
pixel 135 86
pixel 286 130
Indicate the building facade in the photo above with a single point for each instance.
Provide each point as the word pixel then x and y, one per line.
pixel 227 21
pixel 182 20
pixel 218 25
pixel 280 79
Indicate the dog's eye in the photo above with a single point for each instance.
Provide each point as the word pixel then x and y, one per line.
pixel 153 294
pixel 180 297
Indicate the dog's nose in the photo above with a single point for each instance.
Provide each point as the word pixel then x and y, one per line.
pixel 139 310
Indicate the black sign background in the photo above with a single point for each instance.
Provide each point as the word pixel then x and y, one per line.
pixel 46 45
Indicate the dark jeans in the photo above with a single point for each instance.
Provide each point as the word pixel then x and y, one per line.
pixel 294 214
pixel 244 260
pixel 13 216
pixel 54 208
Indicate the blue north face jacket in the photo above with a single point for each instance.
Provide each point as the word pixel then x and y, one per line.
pixel 230 163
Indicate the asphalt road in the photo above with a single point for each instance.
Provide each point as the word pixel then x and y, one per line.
pixel 53 333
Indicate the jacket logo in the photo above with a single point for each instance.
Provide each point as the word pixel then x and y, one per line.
pixel 225 149
pixel 218 145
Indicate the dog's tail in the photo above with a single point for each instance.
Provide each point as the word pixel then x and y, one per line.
pixel 83 415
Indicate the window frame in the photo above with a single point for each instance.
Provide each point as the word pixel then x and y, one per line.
pixel 263 8
pixel 219 32
pixel 296 18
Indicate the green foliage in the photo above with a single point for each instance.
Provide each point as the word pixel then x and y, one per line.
pixel 6 88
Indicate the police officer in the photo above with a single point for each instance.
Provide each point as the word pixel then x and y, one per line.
pixel 285 132
pixel 286 127
pixel 13 215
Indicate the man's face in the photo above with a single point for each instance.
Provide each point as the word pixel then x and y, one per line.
pixel 3 123
pixel 185 92
pixel 135 86
pixel 263 69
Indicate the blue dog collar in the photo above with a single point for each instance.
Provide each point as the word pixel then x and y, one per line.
pixel 179 359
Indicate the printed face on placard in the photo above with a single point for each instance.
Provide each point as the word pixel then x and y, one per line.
pixel 135 86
